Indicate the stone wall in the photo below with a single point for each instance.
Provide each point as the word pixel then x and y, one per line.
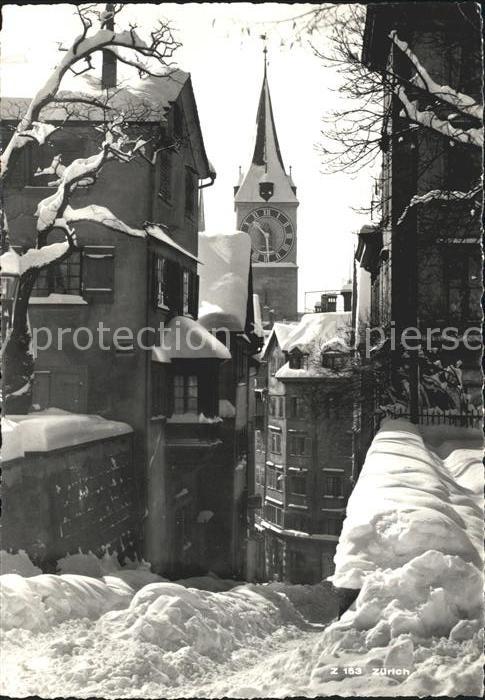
pixel 81 497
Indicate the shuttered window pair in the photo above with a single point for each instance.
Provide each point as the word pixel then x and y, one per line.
pixel 88 272
pixel 174 286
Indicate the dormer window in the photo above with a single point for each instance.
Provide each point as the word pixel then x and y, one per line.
pixel 297 359
pixel 334 360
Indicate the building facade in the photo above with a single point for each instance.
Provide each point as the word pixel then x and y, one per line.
pixel 154 380
pixel 266 207
pixel 304 465
pixel 423 256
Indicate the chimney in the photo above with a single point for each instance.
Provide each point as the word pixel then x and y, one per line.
pixel 108 73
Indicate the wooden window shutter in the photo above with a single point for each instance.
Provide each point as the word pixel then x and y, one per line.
pixel 174 285
pixel 194 295
pixel 98 273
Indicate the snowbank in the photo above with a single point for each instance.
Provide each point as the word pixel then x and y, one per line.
pixel 18 563
pixel 53 429
pixel 224 279
pixel 407 502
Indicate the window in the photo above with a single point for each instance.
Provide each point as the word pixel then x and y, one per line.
pixel 276 406
pixel 274 478
pixel 273 514
pixel 297 445
pixel 333 486
pixel 298 485
pixel 158 390
pixel 165 169
pixel 332 526
pixel 259 472
pixel 297 521
pixel 98 272
pixel 463 277
pixel 186 394
pixel 160 281
pixel 334 360
pixel 60 278
pixel 178 122
pixel 298 360
pixel 274 442
pixel 185 292
pixel 296 407
pixel 331 406
pixel 190 193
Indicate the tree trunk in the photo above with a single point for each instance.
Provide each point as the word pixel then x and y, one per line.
pixel 17 360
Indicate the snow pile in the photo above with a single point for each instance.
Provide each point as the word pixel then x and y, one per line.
pixel 224 279
pixel 18 563
pixel 405 503
pixel 39 602
pixel 52 429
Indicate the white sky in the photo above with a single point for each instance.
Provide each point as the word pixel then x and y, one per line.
pixel 226 65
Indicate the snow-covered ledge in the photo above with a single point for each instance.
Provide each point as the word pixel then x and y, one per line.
pixel 68 299
pixel 54 429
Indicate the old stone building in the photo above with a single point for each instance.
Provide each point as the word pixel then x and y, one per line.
pixel 304 465
pixel 422 255
pixel 166 390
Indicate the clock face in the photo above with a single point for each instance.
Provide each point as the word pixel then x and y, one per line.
pixel 272 234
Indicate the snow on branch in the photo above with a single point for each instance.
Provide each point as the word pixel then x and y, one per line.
pixel 464 103
pixel 101 215
pixel 428 118
pixel 35 258
pixel 156 51
pixel 39 131
pixel 439 195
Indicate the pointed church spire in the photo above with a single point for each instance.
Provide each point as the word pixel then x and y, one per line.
pixel 266 138
pixel 266 178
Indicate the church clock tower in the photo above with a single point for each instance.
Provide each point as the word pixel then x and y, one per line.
pixel 265 203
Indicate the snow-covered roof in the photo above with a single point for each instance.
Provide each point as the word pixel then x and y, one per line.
pixel 146 99
pixel 316 328
pixel 313 371
pixel 186 339
pixel 52 429
pixel 335 344
pixel 280 332
pixel 157 232
pixel 223 290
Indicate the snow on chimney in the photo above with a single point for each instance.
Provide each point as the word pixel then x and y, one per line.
pixel 108 72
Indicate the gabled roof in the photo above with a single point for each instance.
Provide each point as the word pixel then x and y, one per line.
pixel 279 333
pixel 316 328
pixel 147 100
pixel 267 161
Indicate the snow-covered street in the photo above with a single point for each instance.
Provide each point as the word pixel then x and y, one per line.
pixel 411 542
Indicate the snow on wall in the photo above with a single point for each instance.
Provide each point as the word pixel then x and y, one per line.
pixel 224 276
pixel 405 503
pixel 52 429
